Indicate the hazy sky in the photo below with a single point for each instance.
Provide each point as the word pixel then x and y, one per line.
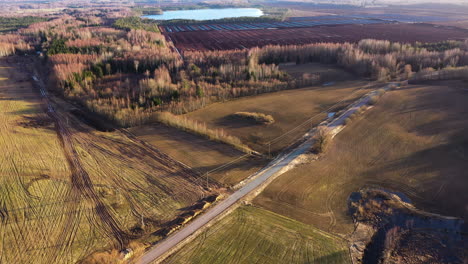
pixel 426 1
pixel 393 1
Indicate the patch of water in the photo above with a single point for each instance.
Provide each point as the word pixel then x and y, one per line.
pixel 208 14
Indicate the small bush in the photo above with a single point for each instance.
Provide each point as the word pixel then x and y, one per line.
pixel 348 120
pixel 355 115
pixel 322 138
pixel 351 118
pixel 380 91
pixel 257 117
pixel 374 99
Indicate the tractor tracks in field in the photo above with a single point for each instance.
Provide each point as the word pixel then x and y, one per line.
pixel 81 183
pixel 161 157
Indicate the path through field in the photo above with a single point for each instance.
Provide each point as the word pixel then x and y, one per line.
pixel 81 184
pixel 67 190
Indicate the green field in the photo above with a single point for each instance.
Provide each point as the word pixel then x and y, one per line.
pixel 255 235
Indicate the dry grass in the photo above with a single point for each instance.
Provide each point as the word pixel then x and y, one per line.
pixel 356 114
pixel 254 235
pixel 257 117
pixel 200 153
pixel 322 139
pixel 307 103
pixel 200 128
pixel 114 256
pixel 414 140
pixel 45 217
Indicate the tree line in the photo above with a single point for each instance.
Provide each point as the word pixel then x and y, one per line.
pixel 128 74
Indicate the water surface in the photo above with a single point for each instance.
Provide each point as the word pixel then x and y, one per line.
pixel 208 14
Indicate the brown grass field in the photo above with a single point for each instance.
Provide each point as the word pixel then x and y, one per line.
pixel 202 154
pixel 288 108
pixel 415 140
pixel 59 205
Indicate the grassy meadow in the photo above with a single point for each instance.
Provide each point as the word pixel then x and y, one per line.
pixel 255 235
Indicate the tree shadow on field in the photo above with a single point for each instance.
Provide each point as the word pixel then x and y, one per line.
pixel 37 121
pixel 448 107
pixel 180 137
pixel 231 122
pixel 16 99
pixel 445 192
pixel 27 111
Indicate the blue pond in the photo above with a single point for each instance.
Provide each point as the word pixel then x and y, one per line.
pixel 208 14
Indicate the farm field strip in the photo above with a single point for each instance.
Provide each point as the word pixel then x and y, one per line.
pixel 311 21
pixel 252 26
pixel 255 235
pixel 399 32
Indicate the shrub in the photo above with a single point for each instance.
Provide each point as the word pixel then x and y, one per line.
pixel 257 117
pixel 374 99
pixel 321 140
pixel 355 115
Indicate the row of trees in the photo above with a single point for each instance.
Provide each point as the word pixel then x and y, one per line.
pixel 128 73
pixel 430 74
pixel 11 43
pixel 378 59
pixel 170 84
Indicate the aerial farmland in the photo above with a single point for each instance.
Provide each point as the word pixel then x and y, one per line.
pixel 233 132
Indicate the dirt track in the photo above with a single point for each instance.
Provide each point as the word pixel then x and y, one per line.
pixel 78 190
pixel 82 186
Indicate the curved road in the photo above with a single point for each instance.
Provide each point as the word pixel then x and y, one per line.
pixel 271 170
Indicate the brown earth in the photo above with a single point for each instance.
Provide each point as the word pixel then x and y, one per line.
pixel 202 154
pixel 309 108
pixel 70 190
pixel 225 40
pixel 414 140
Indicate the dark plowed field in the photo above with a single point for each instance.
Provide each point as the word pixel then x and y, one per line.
pixel 224 40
